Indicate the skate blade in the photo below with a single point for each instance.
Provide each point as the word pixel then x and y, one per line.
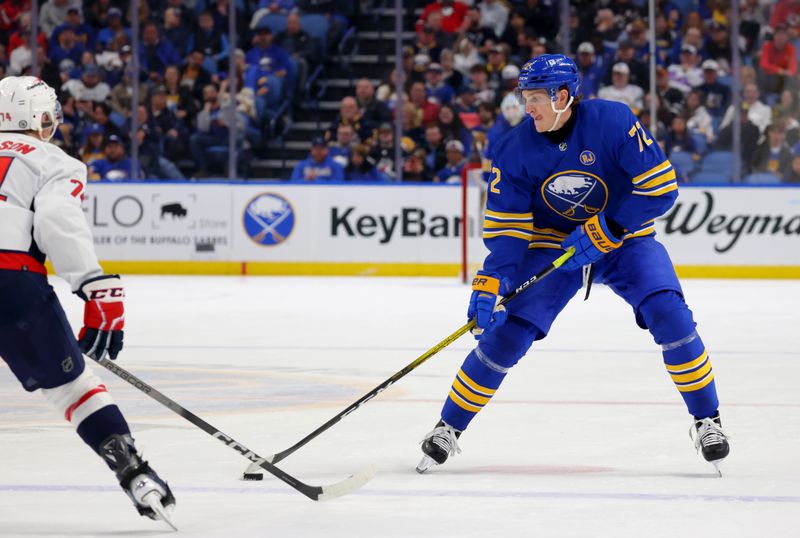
pixel 426 463
pixel 716 464
pixel 153 500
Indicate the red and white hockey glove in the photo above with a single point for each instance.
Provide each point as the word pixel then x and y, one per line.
pixel 103 316
pixel 591 241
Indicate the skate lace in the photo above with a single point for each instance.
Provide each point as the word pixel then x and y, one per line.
pixel 705 432
pixel 445 438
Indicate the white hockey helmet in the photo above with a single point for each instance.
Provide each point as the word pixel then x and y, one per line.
pixel 29 104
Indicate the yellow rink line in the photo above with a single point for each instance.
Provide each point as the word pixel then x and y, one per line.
pixel 206 267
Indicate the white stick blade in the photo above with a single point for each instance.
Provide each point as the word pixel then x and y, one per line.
pixel 348 485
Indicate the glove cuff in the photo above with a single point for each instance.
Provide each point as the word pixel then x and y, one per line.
pixel 106 289
pixel 486 282
pixel 599 234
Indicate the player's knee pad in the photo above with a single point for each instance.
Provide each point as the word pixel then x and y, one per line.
pixel 504 347
pixel 79 398
pixel 667 317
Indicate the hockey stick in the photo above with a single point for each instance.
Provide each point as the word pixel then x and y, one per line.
pixel 251 473
pixel 315 493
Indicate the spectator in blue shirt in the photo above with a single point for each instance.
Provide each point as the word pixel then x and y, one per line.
pixel 114 27
pixel 263 46
pixel 435 86
pixel 451 172
pixel 83 32
pixel 266 86
pixel 591 70
pixel 116 166
pixel 68 47
pixel 318 166
pixel 156 53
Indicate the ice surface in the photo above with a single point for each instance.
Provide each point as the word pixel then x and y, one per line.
pixel 587 437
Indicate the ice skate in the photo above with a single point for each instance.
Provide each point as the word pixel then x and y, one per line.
pixel 151 496
pixel 438 445
pixel 710 440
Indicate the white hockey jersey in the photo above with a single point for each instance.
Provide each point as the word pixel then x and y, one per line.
pixel 41 189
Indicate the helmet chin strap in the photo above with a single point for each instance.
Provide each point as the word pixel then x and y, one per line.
pixel 559 112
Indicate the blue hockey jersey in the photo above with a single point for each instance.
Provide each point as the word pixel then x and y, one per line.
pixel 540 191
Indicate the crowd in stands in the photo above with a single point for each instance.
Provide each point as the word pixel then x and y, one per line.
pixel 460 72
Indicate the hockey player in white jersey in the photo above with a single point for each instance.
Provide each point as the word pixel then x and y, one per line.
pixel 41 189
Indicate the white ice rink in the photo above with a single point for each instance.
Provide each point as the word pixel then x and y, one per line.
pixel 587 437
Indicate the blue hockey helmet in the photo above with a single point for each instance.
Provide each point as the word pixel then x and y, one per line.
pixel 550 72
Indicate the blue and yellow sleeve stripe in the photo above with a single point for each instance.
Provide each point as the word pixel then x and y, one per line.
pixel 646 228
pixel 546 238
pixel 657 181
pixel 469 395
pixel 499 224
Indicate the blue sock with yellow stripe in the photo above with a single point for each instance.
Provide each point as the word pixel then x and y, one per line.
pixel 690 368
pixel 671 323
pixel 473 387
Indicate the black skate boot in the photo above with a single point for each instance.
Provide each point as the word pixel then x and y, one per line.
pixel 150 495
pixel 710 439
pixel 438 445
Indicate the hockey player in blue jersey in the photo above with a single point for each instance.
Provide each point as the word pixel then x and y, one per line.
pixel 586 175
pixel 41 189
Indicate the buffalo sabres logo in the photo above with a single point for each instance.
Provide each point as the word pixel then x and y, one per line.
pixel 268 219
pixel 587 158
pixel 574 194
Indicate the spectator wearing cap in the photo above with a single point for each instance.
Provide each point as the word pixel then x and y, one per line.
pixel 264 47
pixel 511 114
pixel 360 167
pixel 155 54
pixel 451 77
pixel 213 44
pixel 494 67
pixel 83 32
pixel 778 62
pixel 341 148
pixel 759 113
pixel 53 14
pixel 638 71
pixel 368 107
pixel 113 27
pixel 591 70
pixel 435 87
pixel 451 171
pixel 773 154
pixel 319 165
pixel 68 47
pixel 687 74
pixel 92 148
pixel 510 77
pixel 478 33
pixel 621 90
pixel 176 32
pixel 452 14
pixel 350 115
pixel 382 152
pixel 494 15
pixel 716 95
pixel 116 166
pixel 90 87
pixel 266 87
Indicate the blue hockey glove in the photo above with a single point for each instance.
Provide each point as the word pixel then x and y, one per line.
pixel 487 291
pixel 591 240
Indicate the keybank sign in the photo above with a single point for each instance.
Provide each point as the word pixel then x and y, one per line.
pixel 407 222
pixel 767 218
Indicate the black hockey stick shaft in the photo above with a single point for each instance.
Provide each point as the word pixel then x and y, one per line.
pixel 312 492
pixel 419 360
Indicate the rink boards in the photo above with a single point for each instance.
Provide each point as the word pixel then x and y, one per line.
pixel 348 229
